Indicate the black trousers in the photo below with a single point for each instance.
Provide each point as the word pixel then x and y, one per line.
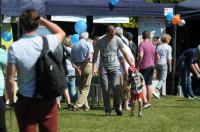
pixel 2 115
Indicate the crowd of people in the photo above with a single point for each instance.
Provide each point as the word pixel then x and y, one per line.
pixel 122 67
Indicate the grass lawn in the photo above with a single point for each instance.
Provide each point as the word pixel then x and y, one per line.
pixel 169 114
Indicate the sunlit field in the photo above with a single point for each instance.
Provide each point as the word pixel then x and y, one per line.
pixel 168 114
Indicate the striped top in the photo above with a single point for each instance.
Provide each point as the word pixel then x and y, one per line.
pixel 24 54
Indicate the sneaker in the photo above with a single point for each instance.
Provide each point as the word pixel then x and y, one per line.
pixel 119 113
pixel 140 114
pixel 128 108
pixel 76 108
pixel 156 95
pixel 86 108
pixel 146 105
pixel 195 97
pixel 70 107
pixel 190 98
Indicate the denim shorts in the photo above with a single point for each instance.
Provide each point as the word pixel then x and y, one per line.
pixel 148 75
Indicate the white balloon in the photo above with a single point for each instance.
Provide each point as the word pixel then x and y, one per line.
pixel 182 22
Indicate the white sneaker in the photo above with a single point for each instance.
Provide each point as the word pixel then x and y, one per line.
pixel 156 95
pixel 146 105
pixel 190 98
pixel 195 97
pixel 140 114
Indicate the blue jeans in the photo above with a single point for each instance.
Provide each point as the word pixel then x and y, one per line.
pixel 186 81
pixel 72 88
pixel 110 78
pixel 162 74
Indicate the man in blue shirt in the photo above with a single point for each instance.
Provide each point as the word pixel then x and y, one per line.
pixel 188 67
pixel 81 57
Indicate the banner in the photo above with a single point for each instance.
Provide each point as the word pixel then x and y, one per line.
pixel 68 18
pixel 156 26
pixel 105 19
pixel 6 27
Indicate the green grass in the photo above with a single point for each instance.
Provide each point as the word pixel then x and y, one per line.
pixel 169 114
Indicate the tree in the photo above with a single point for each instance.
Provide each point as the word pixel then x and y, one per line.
pixel 132 23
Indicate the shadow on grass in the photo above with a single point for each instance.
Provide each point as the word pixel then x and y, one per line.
pixel 175 106
pixel 82 113
pixel 91 108
pixel 188 100
pixel 88 113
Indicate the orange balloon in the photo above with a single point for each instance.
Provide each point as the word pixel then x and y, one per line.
pixel 176 19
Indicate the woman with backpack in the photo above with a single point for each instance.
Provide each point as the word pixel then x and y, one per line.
pixel 23 55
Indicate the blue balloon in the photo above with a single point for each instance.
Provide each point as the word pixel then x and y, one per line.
pixel 7 36
pixel 74 38
pixel 114 2
pixel 80 26
pixel 169 16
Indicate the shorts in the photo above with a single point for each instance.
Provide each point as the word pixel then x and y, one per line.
pixel 136 96
pixel 148 75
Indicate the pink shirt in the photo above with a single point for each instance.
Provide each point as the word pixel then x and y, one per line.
pixel 150 52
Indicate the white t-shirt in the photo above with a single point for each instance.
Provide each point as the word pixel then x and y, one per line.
pixel 126 65
pixel 165 52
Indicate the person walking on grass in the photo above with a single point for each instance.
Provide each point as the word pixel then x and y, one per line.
pixel 148 56
pixel 108 46
pixel 22 57
pixel 164 64
pixel 70 93
pixel 136 80
pixel 81 57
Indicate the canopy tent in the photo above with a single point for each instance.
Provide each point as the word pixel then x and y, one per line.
pixel 189 9
pixel 16 7
pixel 101 8
pixel 84 7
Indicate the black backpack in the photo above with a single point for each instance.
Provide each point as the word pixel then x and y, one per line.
pixel 50 74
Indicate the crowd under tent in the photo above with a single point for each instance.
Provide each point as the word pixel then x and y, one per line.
pixel 87 8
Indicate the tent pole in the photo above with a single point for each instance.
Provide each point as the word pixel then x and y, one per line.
pixel 174 55
pixel 174 59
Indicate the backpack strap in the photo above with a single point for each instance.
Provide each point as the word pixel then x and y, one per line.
pixel 45 44
pixel 44 49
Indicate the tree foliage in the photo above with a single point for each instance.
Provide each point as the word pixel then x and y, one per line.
pixel 132 23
